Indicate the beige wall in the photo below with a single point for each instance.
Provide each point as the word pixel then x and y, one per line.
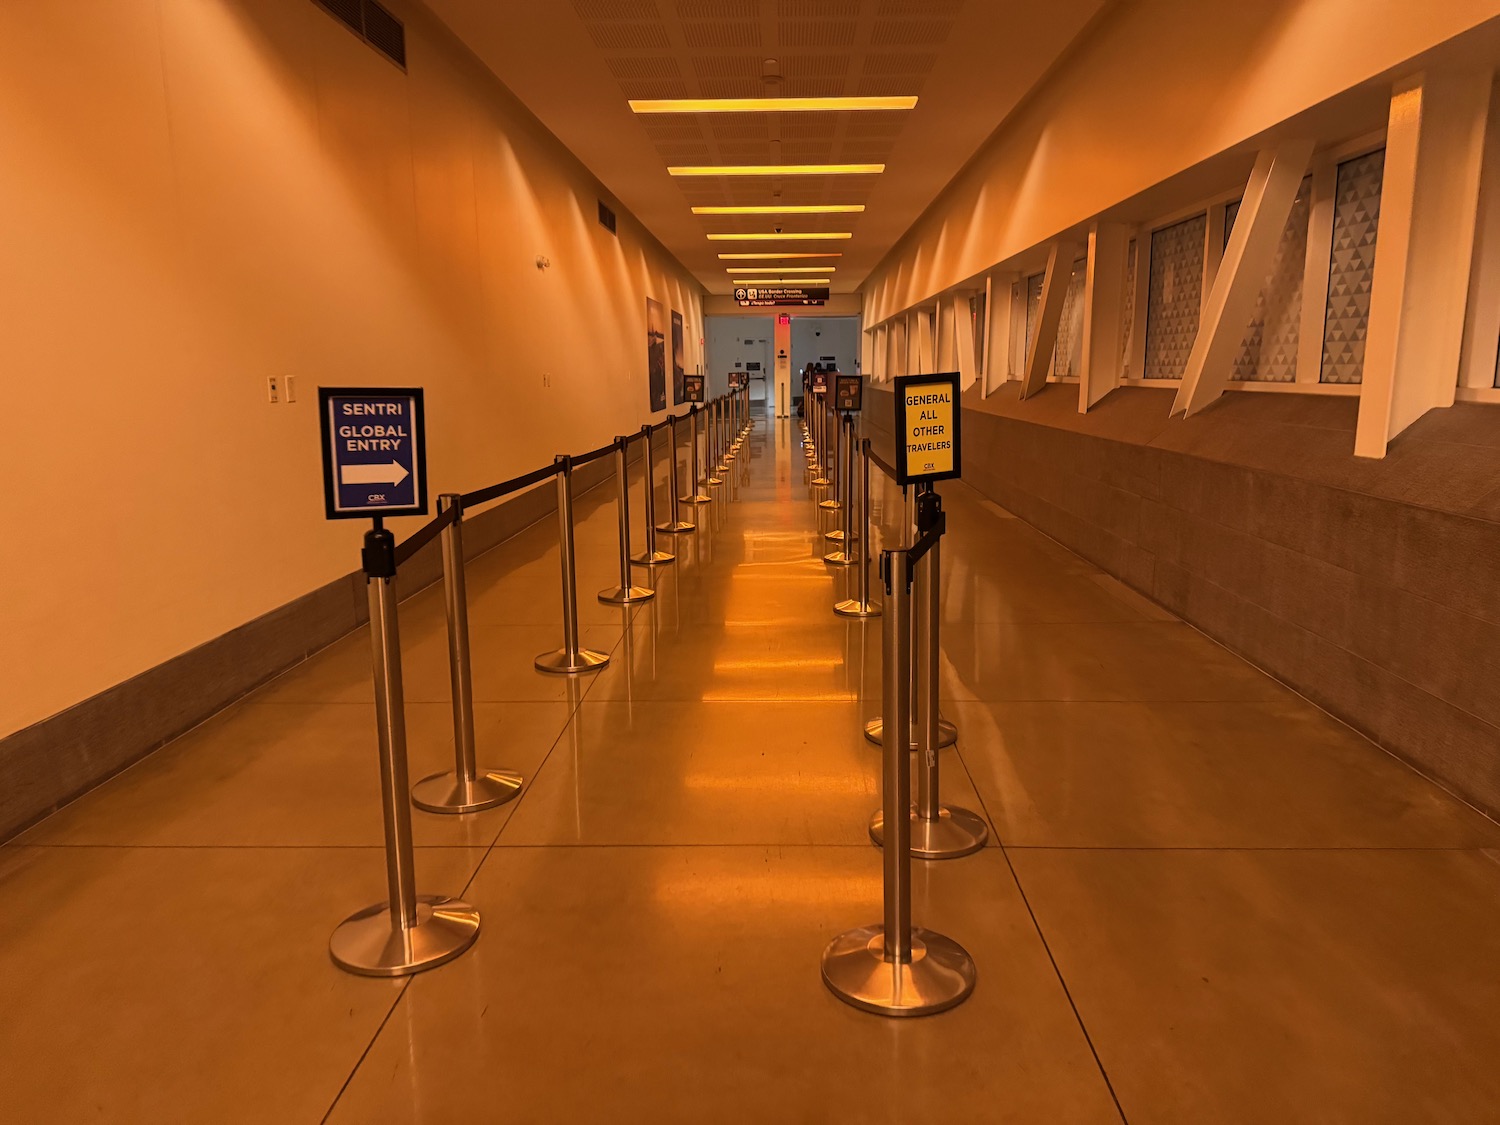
pixel 198 194
pixel 1159 87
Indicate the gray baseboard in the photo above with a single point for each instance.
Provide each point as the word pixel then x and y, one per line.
pixel 56 760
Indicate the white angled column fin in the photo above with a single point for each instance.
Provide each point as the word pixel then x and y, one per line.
pixel 1428 213
pixel 1103 313
pixel 1242 273
pixel 1049 317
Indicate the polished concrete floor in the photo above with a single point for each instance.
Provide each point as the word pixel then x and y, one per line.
pixel 1205 901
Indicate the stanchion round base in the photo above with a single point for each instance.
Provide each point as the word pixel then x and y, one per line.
pixel 655 558
pixel 681 527
pixel 821 482
pixel 366 943
pixel 696 498
pixel 447 793
pixel 939 976
pixel 834 536
pixel 714 482
pixel 840 558
pixel 955 832
pixel 947 733
pixel 626 595
pixel 830 505
pixel 559 663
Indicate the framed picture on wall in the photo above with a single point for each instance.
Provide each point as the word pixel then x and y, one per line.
pixel 656 354
pixel 679 359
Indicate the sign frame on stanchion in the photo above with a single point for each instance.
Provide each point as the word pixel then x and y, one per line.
pixel 389 452
pixel 929 430
pixel 927 467
pixel 408 932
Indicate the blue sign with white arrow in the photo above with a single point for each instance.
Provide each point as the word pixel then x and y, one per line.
pixel 374 451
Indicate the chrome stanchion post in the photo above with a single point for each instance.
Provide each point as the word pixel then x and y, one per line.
pixel 711 435
pixel 465 788
pixel 862 606
pixel 651 556
pixel 893 969
pixel 937 831
pixel 721 435
pixel 833 503
pixel 694 496
pixel 844 554
pixel 820 440
pixel 408 932
pixel 626 593
pixel 571 657
pixel 675 523
pixel 874 730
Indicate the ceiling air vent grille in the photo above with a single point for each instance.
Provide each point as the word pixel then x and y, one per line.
pixel 372 23
pixel 606 218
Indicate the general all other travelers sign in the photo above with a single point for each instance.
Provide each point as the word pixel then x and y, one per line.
pixel 927 428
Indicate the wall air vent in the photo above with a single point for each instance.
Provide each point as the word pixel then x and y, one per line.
pixel 606 218
pixel 372 23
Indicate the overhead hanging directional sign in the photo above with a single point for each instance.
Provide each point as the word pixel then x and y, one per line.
pixel 765 297
pixel 374 451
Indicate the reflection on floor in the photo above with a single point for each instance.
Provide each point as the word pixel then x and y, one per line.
pixel 1204 901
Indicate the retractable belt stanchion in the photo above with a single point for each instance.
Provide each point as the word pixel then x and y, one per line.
pixel 937 831
pixel 465 788
pixel 894 969
pixel 874 729
pixel 651 556
pixel 694 496
pixel 408 932
pixel 731 431
pixel 861 605
pixel 675 523
pixel 711 435
pixel 834 503
pixel 721 434
pixel 845 555
pixel 571 657
pixel 820 441
pixel 626 593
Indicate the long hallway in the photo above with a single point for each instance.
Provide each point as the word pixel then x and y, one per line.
pixel 1203 899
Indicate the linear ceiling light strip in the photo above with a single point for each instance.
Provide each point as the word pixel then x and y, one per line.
pixel 813 209
pixel 784 236
pixel 769 105
pixel 776 170
pixel 771 257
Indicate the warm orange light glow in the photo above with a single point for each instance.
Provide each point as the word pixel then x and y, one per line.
pixel 773 257
pixel 783 236
pixel 775 169
pixel 782 281
pixel 771 105
pixel 810 209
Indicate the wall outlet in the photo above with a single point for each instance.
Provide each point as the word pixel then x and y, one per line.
pixel 273 389
pixel 546 379
pixel 291 388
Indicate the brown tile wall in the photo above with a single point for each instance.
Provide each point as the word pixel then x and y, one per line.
pixel 1369 587
pixel 49 763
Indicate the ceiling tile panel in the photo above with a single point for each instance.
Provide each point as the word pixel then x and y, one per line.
pixel 575 64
